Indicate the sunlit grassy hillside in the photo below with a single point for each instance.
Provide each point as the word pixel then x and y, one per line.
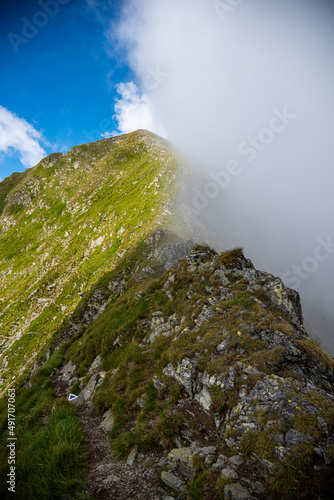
pixel 63 224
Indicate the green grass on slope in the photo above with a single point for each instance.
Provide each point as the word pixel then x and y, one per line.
pixel 91 204
pixel 49 451
pixel 8 184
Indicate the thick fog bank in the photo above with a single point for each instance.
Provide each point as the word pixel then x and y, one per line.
pixel 245 89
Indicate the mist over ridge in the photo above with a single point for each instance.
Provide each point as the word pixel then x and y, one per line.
pixel 244 90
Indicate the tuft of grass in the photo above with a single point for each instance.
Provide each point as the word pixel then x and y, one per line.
pixel 295 475
pixel 267 361
pixel 49 454
pixel 316 352
pixel 329 453
pixel 122 443
pixel 223 401
pixel 230 258
pixel 206 484
pixel 258 442
pixel 168 426
pixel 75 388
pixel 307 424
pixel 326 405
pixel 54 362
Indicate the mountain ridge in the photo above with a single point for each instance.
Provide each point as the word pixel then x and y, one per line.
pixel 77 190
pixel 192 369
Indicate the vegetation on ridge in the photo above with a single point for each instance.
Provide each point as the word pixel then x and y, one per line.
pixel 209 355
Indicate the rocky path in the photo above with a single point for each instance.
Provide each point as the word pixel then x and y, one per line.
pixel 106 477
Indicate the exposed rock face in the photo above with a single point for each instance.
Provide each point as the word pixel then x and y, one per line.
pixel 159 326
pixel 95 380
pixel 272 408
pixel 88 391
pixel 182 458
pixel 67 371
pixel 172 481
pixel 107 421
pixel 236 492
pixel 167 248
pixel 172 253
pixel 184 373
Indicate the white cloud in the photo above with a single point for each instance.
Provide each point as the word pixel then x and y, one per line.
pixel 18 137
pixel 210 77
pixel 106 135
pixel 133 110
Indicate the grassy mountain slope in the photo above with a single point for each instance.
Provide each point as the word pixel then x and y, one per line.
pixel 64 223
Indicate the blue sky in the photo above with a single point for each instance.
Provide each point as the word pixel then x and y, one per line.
pixel 58 74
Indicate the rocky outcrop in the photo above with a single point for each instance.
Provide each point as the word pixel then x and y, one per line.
pixel 210 374
pixel 108 421
pixel 160 327
pixel 167 247
pixel 96 378
pixel 182 459
pixel 267 418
